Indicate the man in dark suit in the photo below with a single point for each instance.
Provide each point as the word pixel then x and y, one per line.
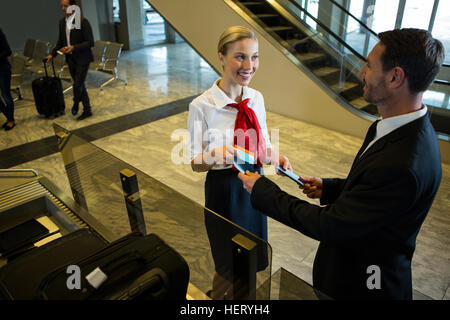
pixel 7 107
pixel 75 41
pixel 369 224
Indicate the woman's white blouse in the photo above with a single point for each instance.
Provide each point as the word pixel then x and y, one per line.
pixel 211 122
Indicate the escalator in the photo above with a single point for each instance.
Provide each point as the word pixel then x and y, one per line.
pixel 323 43
pixel 313 48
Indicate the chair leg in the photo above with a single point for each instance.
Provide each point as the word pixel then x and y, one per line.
pixel 67 89
pixel 115 77
pixel 20 93
pixel 105 83
pixel 125 82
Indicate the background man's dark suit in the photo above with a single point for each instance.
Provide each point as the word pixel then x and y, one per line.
pixel 371 218
pixel 6 108
pixel 80 58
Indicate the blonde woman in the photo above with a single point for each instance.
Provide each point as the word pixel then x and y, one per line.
pixel 218 120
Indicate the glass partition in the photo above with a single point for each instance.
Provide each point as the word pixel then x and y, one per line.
pixel 287 286
pixel 216 250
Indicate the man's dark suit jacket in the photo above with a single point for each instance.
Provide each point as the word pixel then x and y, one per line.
pixel 82 40
pixel 371 218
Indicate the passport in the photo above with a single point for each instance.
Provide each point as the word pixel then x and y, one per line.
pixel 244 160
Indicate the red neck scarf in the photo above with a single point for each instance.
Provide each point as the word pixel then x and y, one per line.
pixel 254 140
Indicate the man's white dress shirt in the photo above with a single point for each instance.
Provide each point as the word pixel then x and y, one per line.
pixel 386 126
pixel 69 26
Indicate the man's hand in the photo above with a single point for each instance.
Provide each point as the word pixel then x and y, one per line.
pixel 49 57
pixel 248 179
pixel 312 187
pixel 67 49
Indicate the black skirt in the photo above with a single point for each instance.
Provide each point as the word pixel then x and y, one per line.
pixel 226 196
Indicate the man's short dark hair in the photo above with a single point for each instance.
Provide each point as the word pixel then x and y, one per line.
pixel 72 2
pixel 416 52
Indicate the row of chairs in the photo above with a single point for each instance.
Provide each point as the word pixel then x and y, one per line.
pixel 18 64
pixel 106 59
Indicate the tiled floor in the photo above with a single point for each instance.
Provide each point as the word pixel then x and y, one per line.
pixel 163 74
pixel 46 146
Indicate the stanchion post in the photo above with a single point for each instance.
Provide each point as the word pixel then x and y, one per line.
pixel 244 268
pixel 133 201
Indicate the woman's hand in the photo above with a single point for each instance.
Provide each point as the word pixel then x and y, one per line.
pixel 223 155
pixel 282 161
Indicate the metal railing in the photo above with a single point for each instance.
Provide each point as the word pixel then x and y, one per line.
pixel 34 172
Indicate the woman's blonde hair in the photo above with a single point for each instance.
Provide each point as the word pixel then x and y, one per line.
pixel 233 34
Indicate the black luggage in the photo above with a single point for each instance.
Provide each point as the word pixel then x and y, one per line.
pixel 48 94
pixel 20 278
pixel 133 267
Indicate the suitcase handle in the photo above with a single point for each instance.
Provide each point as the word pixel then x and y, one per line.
pixel 45 67
pixel 121 261
pixel 134 262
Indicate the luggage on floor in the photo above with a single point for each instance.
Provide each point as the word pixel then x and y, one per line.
pixel 48 94
pixel 21 236
pixel 20 278
pixel 133 267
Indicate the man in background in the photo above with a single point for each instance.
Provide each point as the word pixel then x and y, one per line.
pixel 75 42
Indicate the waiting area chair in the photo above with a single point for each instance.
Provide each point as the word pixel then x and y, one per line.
pixel 61 70
pixel 99 55
pixel 41 50
pixel 18 64
pixel 106 59
pixel 28 50
pixel 110 61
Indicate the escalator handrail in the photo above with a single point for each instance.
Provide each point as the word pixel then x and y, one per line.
pixel 351 15
pixel 345 44
pixel 32 171
pixel 442 82
pixel 444 65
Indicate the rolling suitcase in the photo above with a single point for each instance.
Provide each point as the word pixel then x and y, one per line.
pixel 48 94
pixel 20 278
pixel 133 267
